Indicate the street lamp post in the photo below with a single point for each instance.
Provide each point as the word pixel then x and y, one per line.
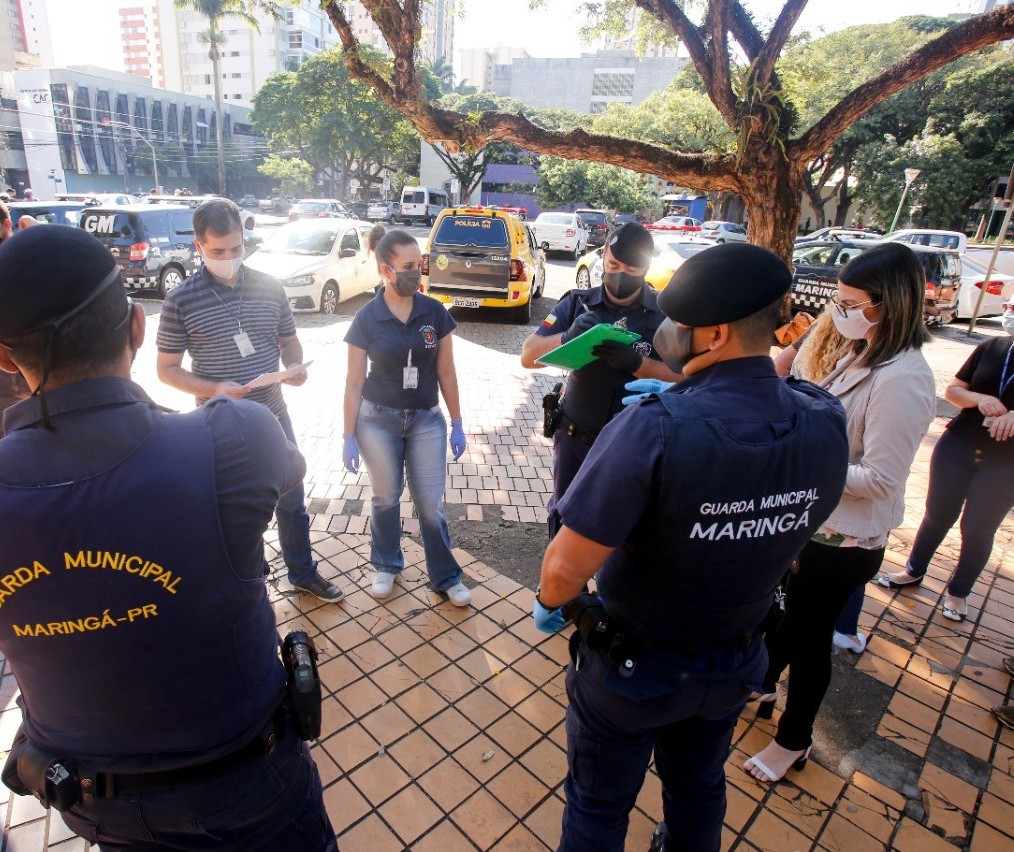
pixel 910 176
pixel 154 162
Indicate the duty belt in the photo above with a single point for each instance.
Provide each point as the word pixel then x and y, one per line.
pixel 576 430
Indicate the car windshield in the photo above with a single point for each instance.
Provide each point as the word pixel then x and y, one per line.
pixel 813 254
pixel 592 217
pixel 684 250
pixel 712 226
pixel 314 238
pixel 310 207
pixel 478 231
pixel 555 219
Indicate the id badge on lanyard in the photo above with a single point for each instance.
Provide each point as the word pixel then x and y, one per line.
pixel 243 344
pixel 409 375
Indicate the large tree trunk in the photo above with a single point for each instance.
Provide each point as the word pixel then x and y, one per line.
pixel 216 68
pixel 772 189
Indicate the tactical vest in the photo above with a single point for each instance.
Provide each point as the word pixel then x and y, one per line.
pixel 725 521
pixel 123 621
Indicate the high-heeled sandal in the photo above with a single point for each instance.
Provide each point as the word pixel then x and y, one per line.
pixel 798 764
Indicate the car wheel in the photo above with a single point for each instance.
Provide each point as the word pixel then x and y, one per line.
pixel 583 279
pixel 169 279
pixel 541 288
pixel 720 241
pixel 329 298
pixel 390 220
pixel 522 313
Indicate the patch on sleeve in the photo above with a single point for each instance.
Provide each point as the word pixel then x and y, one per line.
pixel 549 321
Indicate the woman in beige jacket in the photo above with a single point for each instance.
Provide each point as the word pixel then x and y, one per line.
pixel 887 390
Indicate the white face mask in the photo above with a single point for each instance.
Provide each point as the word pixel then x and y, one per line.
pixel 854 326
pixel 1007 320
pixel 223 269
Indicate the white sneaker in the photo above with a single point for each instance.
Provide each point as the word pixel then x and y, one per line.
pixel 383 585
pixel 856 644
pixel 459 595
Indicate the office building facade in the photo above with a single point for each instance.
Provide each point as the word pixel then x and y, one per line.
pixel 141 37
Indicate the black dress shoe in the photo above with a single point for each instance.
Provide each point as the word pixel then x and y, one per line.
pixel 885 581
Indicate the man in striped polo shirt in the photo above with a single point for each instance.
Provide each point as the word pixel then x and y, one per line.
pixel 236 323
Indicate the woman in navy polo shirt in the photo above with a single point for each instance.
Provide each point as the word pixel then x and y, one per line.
pixel 392 415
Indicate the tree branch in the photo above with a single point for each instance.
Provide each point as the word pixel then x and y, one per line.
pixel 744 30
pixel 779 34
pixel 720 89
pixel 976 32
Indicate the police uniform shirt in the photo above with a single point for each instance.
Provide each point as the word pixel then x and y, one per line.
pixel 750 408
pixel 594 394
pixel 388 341
pixel 203 316
pixel 101 425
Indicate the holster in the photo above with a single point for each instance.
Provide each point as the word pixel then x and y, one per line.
pixel 551 411
pixel 51 779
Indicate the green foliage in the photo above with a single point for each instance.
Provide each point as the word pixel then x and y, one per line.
pixel 289 176
pixel 564 182
pixel 332 121
pixel 620 20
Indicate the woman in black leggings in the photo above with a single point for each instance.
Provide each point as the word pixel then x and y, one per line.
pixel 972 466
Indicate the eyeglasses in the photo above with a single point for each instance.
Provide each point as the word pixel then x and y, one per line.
pixel 844 309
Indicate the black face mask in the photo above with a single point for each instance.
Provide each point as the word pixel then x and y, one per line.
pixel 675 345
pixel 407 281
pixel 622 285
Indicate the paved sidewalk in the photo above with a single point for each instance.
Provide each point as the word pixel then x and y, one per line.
pixel 443 727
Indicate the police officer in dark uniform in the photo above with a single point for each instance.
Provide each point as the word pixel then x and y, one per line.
pixel 133 609
pixel 690 506
pixel 594 394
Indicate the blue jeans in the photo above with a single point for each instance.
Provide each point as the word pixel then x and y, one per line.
pixel 393 441
pixel 265 804
pixel 685 711
pixel 294 525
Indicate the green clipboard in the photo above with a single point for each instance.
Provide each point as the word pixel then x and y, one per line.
pixel 577 353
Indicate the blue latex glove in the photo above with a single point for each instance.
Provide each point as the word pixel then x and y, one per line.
pixel 457 439
pixel 350 453
pixel 644 388
pixel 547 620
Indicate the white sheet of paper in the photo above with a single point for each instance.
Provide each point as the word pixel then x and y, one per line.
pixel 265 379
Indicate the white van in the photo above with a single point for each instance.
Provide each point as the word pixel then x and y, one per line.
pixel 421 204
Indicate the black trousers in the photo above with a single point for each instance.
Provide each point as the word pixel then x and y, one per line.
pixel 961 475
pixel 815 596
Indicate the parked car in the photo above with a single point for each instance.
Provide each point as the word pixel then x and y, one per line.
pixel 247 200
pixel 276 204
pixel 91 199
pixel 152 243
pixel 723 232
pixel 668 254
pixel 49 212
pixel 478 257
pixel 953 240
pixel 686 224
pixel 837 233
pixel 318 208
pixel 384 211
pixel 320 262
pixel 598 222
pixel 564 232
pixel 817 265
pixel 625 218
pixel 999 290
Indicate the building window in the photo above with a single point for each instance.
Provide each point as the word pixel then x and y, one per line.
pixel 612 84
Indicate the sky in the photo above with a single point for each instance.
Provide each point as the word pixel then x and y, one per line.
pixel 87 31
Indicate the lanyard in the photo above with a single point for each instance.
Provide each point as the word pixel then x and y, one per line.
pixel 1005 381
pixel 238 317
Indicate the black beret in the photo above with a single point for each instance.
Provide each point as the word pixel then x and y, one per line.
pixel 723 284
pixel 48 271
pixel 631 244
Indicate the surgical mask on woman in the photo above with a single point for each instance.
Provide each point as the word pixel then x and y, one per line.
pixel 406 281
pixel 1007 320
pixel 850 322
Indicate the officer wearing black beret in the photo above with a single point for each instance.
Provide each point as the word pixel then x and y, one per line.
pixel 133 609
pixel 690 507
pixel 594 394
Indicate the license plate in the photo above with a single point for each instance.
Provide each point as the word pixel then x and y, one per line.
pixel 458 302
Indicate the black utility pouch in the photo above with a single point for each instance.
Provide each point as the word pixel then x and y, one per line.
pixel 52 780
pixel 551 411
pixel 300 658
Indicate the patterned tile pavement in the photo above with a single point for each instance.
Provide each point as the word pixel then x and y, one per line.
pixel 443 727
